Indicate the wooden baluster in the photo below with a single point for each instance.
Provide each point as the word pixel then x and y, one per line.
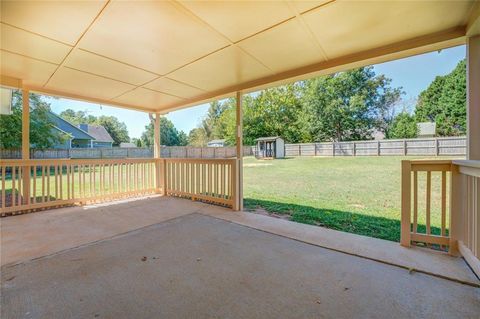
pixel 428 201
pixel 43 183
pixel 20 179
pixel 415 201
pixel 55 170
pixel 94 193
pixel 13 194
pixel 34 184
pixel 444 202
pixel 48 182
pixel 4 172
pixel 61 180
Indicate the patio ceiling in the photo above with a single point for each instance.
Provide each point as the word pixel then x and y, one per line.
pixel 158 56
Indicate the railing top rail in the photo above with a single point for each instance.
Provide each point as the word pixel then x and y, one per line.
pixel 468 163
pixel 200 160
pixel 429 162
pixel 65 161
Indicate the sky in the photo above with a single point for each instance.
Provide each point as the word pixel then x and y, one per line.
pixel 413 74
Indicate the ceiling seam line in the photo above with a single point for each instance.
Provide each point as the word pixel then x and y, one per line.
pixel 28 57
pixel 306 27
pixel 118 61
pixel 97 16
pixel 37 34
pixel 232 43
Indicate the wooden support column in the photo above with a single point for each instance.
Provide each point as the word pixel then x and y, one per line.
pixel 473 98
pixel 26 145
pixel 239 144
pixel 159 167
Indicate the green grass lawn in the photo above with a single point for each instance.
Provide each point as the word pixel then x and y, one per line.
pixel 354 194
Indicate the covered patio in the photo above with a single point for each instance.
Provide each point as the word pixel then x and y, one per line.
pixel 168 237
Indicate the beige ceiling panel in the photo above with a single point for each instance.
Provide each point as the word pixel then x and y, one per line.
pixel 344 28
pixel 60 20
pixel 174 88
pixel 305 5
pixel 76 82
pixel 32 45
pixel 31 71
pixel 152 35
pixel 240 19
pixel 285 47
pixel 148 99
pixel 222 69
pixel 89 62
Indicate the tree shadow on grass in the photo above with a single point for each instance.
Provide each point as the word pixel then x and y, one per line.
pixel 351 222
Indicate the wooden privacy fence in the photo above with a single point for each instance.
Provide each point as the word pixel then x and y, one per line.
pixel 458 204
pixel 443 146
pixel 134 152
pixel 28 185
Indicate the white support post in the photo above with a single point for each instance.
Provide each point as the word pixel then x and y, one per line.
pixel 159 165
pixel 26 144
pixel 239 144
pixel 473 98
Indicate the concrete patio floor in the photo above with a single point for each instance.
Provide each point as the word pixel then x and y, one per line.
pixel 166 257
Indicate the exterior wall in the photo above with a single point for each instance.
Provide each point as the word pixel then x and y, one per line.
pixel 102 144
pixel 279 148
pixel 78 143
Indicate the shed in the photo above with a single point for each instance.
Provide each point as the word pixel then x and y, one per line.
pixel 216 143
pixel 426 129
pixel 270 147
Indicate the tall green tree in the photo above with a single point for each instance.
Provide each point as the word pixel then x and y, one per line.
pixel 169 135
pixel 42 134
pixel 117 130
pixel 444 102
pixel 403 126
pixel 348 105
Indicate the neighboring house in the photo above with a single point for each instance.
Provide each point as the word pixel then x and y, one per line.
pixel 127 145
pixel 101 138
pixel 216 143
pixel 93 136
pixel 427 129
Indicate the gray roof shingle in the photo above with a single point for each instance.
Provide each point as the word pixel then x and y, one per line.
pixel 97 131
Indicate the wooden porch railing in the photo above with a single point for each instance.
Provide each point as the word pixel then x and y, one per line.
pixel 204 179
pixel 28 185
pixel 456 203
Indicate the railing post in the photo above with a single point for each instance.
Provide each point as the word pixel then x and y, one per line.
pixel 456 210
pixel 406 203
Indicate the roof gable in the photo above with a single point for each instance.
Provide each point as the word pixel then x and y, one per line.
pixel 69 128
pixel 98 132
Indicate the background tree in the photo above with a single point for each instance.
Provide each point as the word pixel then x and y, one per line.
pixel 403 126
pixel 444 102
pixel 42 134
pixel 169 135
pixel 347 105
pixel 117 130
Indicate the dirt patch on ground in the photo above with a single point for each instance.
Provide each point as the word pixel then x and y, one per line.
pixel 257 164
pixel 262 211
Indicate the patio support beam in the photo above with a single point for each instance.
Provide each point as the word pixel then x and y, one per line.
pixel 26 144
pixel 239 145
pixel 159 165
pixel 473 98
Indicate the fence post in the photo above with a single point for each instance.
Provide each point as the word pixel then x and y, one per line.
pixel 437 151
pixel 299 149
pixel 354 149
pixel 378 148
pixel 333 149
pixel 406 203
pixel 405 148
